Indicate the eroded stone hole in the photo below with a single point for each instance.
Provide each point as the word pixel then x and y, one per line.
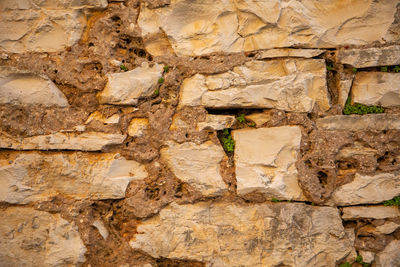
pixel 323 178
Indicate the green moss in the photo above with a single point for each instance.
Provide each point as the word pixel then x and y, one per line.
pixel 329 67
pixel 360 109
pixel 345 264
pixel 123 67
pixel 396 68
pixel 161 80
pixel 166 69
pixel 393 202
pixel 227 141
pixel 384 69
pixel 156 92
pixel 354 70
pixel 275 200
pixel 241 118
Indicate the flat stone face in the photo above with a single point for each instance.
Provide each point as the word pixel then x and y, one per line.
pixel 370 57
pixel 38 176
pixel 390 256
pixel 126 88
pixel 42 26
pixel 378 122
pixel 376 88
pixel 265 161
pixel 36 238
pixel 365 189
pixel 289 52
pixel 197 165
pixel 202 27
pixel 227 234
pixel 88 141
pixel 138 127
pixel 26 89
pixel 291 84
pixel 370 212
pixel 216 122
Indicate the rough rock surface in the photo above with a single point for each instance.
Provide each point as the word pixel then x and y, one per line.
pixel 24 88
pixel 225 234
pixel 265 161
pixel 127 88
pixel 291 84
pixel 87 141
pixel 216 122
pixel 390 256
pixel 365 189
pixel 197 165
pixel 370 57
pixel 40 176
pixel 370 212
pixel 36 238
pixel 376 88
pixel 193 28
pixel 377 122
pixel 138 127
pixel 43 26
pixel 289 52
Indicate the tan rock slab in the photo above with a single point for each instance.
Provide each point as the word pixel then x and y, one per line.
pixel 344 87
pixel 377 122
pixel 265 161
pixel 290 84
pixel 216 122
pixel 97 116
pixel 368 189
pixel 390 256
pixel 138 127
pixel 30 237
pixel 86 141
pixel 387 228
pixel 24 88
pixel 203 26
pixel 228 234
pixel 289 52
pixel 370 57
pixel 34 176
pixel 376 88
pixel 368 256
pixel 197 165
pixel 126 88
pixel 370 212
pixel 43 26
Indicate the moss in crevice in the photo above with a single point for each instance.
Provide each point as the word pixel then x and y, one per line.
pixel 360 108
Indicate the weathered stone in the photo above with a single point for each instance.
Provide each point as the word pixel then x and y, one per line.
pixel 36 238
pixel 390 256
pixel 291 84
pixel 202 27
pixel 263 117
pixel 367 256
pixel 289 52
pixel 23 88
pixel 138 127
pixel 126 88
pixel 101 228
pixel 197 165
pixel 357 149
pixel 97 116
pixel 216 122
pixel 370 57
pixel 370 212
pixel 376 88
pixel 87 141
pixel 40 176
pixel 374 122
pixel 344 87
pixel 265 161
pixel 43 26
pixel 228 234
pixel 365 189
pixel 387 228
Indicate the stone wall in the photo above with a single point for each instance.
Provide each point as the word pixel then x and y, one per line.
pixel 199 133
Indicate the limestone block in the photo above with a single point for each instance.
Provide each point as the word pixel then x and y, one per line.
pixel 377 122
pixel 365 189
pixel 97 116
pixel 290 84
pixel 216 122
pixel 30 237
pixel 265 161
pixel 138 127
pixel 23 88
pixel 370 212
pixel 228 234
pixel 376 88
pixel 387 228
pixel 86 141
pixel 197 165
pixel 35 176
pixel 370 57
pixel 126 88
pixel 390 256
pixel 289 52
pixel 368 256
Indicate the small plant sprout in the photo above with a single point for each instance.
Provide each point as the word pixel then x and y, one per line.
pixel 360 109
pixel 166 69
pixel 384 69
pixel 345 264
pixel 393 202
pixel 354 70
pixel 227 142
pixel 156 92
pixel 123 67
pixel 161 80
pixel 396 68
pixel 329 67
pixel 241 118
pixel 275 200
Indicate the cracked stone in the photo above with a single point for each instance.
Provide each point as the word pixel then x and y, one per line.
pixel 390 256
pixel 216 122
pixel 374 122
pixel 370 212
pixel 370 57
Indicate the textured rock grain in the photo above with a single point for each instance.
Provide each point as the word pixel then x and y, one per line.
pixel 377 122
pixel 370 57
